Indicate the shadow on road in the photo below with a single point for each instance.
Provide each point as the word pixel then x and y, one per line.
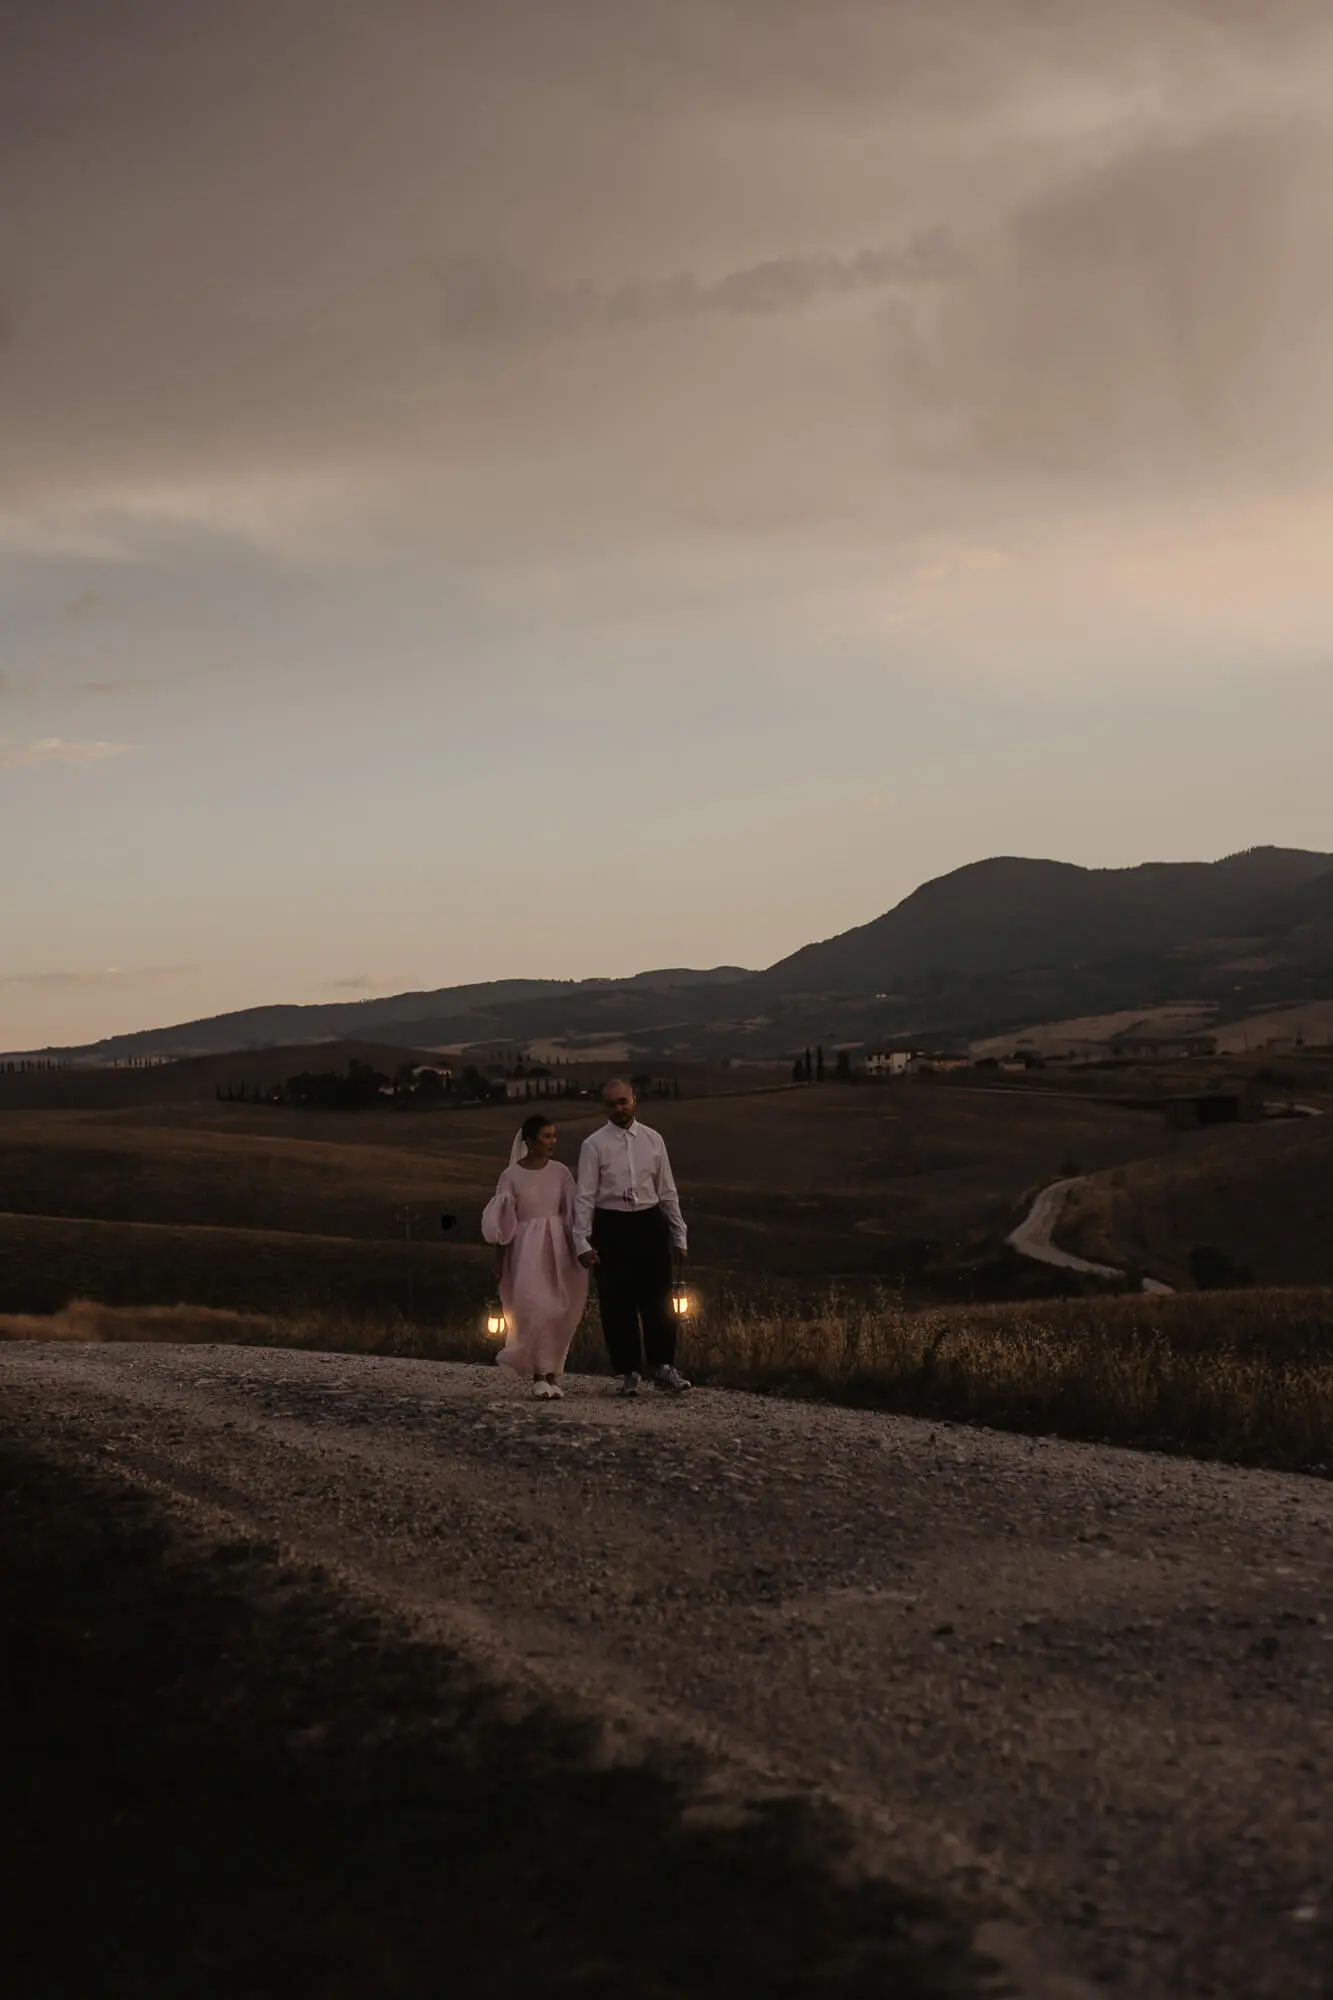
pixel 222 1781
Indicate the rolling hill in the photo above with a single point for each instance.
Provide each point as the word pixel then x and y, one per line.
pixel 1255 1202
pixel 1007 915
pixel 407 1020
pixel 992 947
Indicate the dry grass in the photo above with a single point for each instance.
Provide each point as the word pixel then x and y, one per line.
pixel 1242 1376
pixel 1260 1193
pixel 45 1261
pixel 86 1319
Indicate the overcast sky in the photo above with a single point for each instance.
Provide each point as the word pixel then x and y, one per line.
pixel 555 487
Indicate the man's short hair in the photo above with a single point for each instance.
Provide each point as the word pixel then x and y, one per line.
pixel 619 1083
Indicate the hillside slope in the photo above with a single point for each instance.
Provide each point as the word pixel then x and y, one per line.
pixel 405 1019
pixel 1258 1198
pixel 999 944
pixel 1008 914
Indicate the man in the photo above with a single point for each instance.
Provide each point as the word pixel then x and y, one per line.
pixel 628 1228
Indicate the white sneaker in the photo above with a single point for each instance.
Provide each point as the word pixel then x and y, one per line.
pixel 543 1391
pixel 629 1385
pixel 670 1379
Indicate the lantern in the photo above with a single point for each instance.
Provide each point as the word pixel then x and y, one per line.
pixel 680 1302
pixel 496 1326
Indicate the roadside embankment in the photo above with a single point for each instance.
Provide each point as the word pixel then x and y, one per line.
pixel 1242 1376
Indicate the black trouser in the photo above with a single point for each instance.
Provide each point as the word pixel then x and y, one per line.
pixel 634 1274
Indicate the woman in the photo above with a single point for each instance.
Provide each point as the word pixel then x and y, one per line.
pixel 543 1288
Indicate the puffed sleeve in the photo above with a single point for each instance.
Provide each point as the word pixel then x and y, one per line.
pixel 500 1217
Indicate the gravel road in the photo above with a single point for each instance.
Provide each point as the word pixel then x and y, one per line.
pixel 1086 1695
pixel 1034 1237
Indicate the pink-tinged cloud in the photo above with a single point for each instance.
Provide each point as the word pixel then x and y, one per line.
pixel 58 750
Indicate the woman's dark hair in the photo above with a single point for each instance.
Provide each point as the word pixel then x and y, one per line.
pixel 535 1123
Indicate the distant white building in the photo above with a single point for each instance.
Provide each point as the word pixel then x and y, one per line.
pixel 889 1062
pixel 531 1086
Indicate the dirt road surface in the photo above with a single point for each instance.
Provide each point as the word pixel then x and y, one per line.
pixel 1034 1237
pixel 1082 1694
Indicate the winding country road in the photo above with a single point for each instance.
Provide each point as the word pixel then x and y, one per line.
pixel 1034 1236
pixel 1085 1693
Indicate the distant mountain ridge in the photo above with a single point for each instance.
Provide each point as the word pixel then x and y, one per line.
pixel 1000 943
pixel 394 1016
pixel 1007 914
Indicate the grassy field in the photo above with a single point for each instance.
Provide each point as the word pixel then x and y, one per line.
pixel 194 1081
pixel 46 1261
pixel 1251 1204
pixel 915 1184
pixel 844 1242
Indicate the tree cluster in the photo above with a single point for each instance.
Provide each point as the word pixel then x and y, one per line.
pixel 355 1089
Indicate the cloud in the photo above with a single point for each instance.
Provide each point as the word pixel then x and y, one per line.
pixel 485 300
pixel 58 750
pixel 661 274
pixel 99 976
pixel 358 985
pixel 1166 310
pixel 90 604
pixel 283 512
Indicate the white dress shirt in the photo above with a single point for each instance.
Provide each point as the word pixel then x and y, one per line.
pixel 625 1167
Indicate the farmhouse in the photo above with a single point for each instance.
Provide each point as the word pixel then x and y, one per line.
pixel 537 1083
pixel 888 1062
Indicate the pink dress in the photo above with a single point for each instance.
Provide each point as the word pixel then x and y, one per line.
pixel 543 1287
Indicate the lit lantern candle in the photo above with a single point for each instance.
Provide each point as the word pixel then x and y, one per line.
pixel 680 1302
pixel 495 1321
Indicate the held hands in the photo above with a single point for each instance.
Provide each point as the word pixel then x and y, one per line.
pixel 588 1258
